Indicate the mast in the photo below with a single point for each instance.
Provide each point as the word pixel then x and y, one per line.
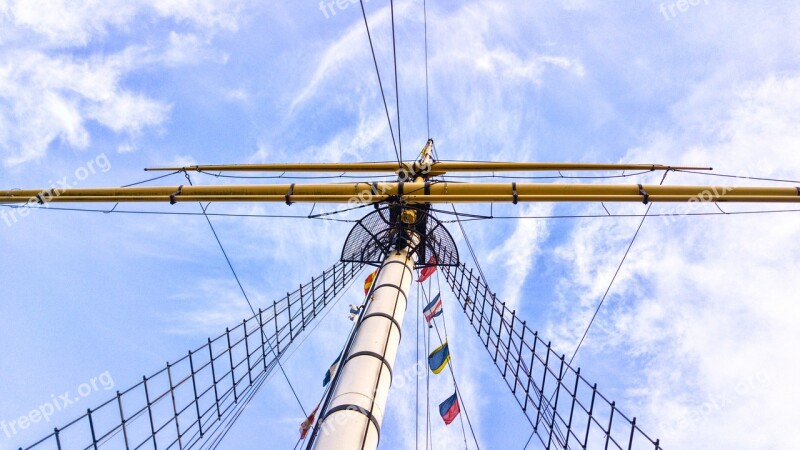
pixel 355 405
pixel 356 410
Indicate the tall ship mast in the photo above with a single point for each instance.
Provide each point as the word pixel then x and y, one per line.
pixel 407 270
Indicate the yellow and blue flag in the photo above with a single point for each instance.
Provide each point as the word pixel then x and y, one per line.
pixel 439 358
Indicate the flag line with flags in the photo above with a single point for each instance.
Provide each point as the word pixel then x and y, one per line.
pixel 370 279
pixel 332 371
pixel 306 425
pixel 439 358
pixel 449 409
pixel 428 271
pixel 434 309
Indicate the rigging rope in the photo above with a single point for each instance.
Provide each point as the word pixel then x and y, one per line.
pixel 428 431
pixel 386 346
pixel 578 403
pixel 427 299
pixel 396 84
pixel 244 294
pixel 452 373
pixel 283 176
pixel 203 417
pixel 427 93
pixel 345 353
pixel 399 155
pixel 608 289
pixel 546 411
pixel 741 177
pixel 614 278
pixel 174 213
pixel 416 378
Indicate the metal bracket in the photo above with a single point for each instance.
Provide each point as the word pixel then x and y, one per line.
pixel 172 196
pixel 644 194
pixel 514 191
pixel 289 194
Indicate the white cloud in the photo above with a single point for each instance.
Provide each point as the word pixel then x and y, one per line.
pixel 206 14
pixel 49 98
pixel 49 95
pixel 518 253
pixel 129 113
pixel 66 23
pixel 707 304
pixel 215 305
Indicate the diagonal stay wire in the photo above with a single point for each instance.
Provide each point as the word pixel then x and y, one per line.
pixel 452 371
pixel 416 378
pixel 408 257
pixel 347 347
pixel 222 430
pixel 268 376
pixel 427 93
pixel 249 303
pixel 152 179
pixel 480 271
pixel 614 278
pixel 396 84
pixel 740 177
pixel 455 383
pixel 528 442
pixel 142 182
pixel 468 217
pixel 380 84
pixel 608 289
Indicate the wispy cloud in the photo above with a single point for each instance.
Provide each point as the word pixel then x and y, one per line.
pixel 55 96
pixel 716 326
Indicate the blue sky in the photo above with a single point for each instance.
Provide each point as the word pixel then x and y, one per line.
pixel 696 338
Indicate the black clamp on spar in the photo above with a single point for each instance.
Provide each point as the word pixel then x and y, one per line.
pixel 644 194
pixel 427 188
pixel 514 192
pixel 172 196
pixel 289 194
pixel 375 194
pixel 798 191
pixel 400 188
pixel 39 199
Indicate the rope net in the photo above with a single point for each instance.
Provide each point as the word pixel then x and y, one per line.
pixel 564 409
pixel 189 403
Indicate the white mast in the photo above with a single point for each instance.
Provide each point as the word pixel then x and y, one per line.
pixel 354 415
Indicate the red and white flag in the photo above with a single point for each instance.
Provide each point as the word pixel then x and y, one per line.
pixel 428 271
